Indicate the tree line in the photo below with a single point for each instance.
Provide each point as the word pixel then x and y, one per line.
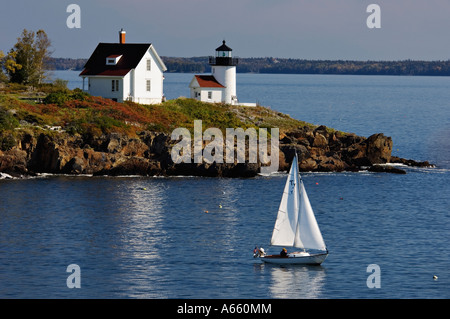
pixel 290 66
pixel 303 66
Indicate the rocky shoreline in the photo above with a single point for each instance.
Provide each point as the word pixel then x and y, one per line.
pixel 149 154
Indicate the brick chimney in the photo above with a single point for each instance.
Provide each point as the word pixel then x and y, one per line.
pixel 122 36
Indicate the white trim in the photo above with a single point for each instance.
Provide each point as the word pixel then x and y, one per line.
pixel 158 58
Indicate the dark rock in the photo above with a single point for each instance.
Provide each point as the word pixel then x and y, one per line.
pixel 409 162
pixel 75 166
pixel 322 129
pixel 131 166
pixel 13 162
pixel 149 153
pixel 46 156
pixel 320 141
pixel 290 150
pixel 308 165
pixel 379 148
pixel 386 169
pixel 374 150
pixel 330 164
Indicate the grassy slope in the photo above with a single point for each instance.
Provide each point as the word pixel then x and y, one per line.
pixel 79 113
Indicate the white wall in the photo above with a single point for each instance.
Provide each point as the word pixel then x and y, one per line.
pixel 102 86
pixel 226 75
pixel 139 81
pixel 126 89
pixel 216 94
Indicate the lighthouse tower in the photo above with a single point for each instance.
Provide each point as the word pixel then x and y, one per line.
pixel 223 68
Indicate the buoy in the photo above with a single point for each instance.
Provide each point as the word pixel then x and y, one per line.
pixel 144 189
pixel 317 183
pixel 220 206
pixel 206 211
pixel 342 198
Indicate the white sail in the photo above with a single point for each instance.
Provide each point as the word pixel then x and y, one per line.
pixel 287 218
pixel 308 235
pixel 296 225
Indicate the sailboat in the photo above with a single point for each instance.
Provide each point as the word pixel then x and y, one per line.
pixel 296 226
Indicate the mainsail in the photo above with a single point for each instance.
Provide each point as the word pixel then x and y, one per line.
pixel 296 225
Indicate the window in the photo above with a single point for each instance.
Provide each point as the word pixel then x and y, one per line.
pixel 148 86
pixel 209 95
pixel 149 65
pixel 115 85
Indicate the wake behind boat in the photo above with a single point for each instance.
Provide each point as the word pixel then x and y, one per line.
pixel 296 226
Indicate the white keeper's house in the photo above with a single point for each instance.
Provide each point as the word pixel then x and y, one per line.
pixel 220 86
pixel 125 72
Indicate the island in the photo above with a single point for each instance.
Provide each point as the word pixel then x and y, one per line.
pixel 51 129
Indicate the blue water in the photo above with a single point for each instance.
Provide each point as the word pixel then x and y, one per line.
pixel 144 237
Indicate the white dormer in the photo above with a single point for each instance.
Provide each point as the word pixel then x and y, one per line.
pixel 113 59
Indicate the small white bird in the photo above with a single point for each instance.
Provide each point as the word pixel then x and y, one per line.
pixel 435 277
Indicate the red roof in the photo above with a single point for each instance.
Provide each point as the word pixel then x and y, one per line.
pixel 208 81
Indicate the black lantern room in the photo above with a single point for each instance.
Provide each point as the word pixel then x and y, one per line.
pixel 223 56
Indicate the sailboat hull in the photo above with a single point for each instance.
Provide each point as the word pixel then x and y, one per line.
pixel 295 259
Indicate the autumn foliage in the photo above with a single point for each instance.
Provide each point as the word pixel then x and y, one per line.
pixel 77 112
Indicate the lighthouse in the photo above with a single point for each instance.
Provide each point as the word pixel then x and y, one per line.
pixel 223 68
pixel 220 86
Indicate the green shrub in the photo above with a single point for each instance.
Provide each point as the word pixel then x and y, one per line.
pixel 61 97
pixel 7 120
pixel 79 95
pixel 156 127
pixel 75 126
pixel 106 123
pixel 58 98
pixel 7 142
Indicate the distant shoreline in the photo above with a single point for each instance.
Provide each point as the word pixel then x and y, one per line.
pixel 271 65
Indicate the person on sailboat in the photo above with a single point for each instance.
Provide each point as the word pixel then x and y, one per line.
pixel 258 252
pixel 283 252
pixel 261 252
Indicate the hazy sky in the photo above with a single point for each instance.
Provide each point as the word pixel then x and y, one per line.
pixel 310 29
